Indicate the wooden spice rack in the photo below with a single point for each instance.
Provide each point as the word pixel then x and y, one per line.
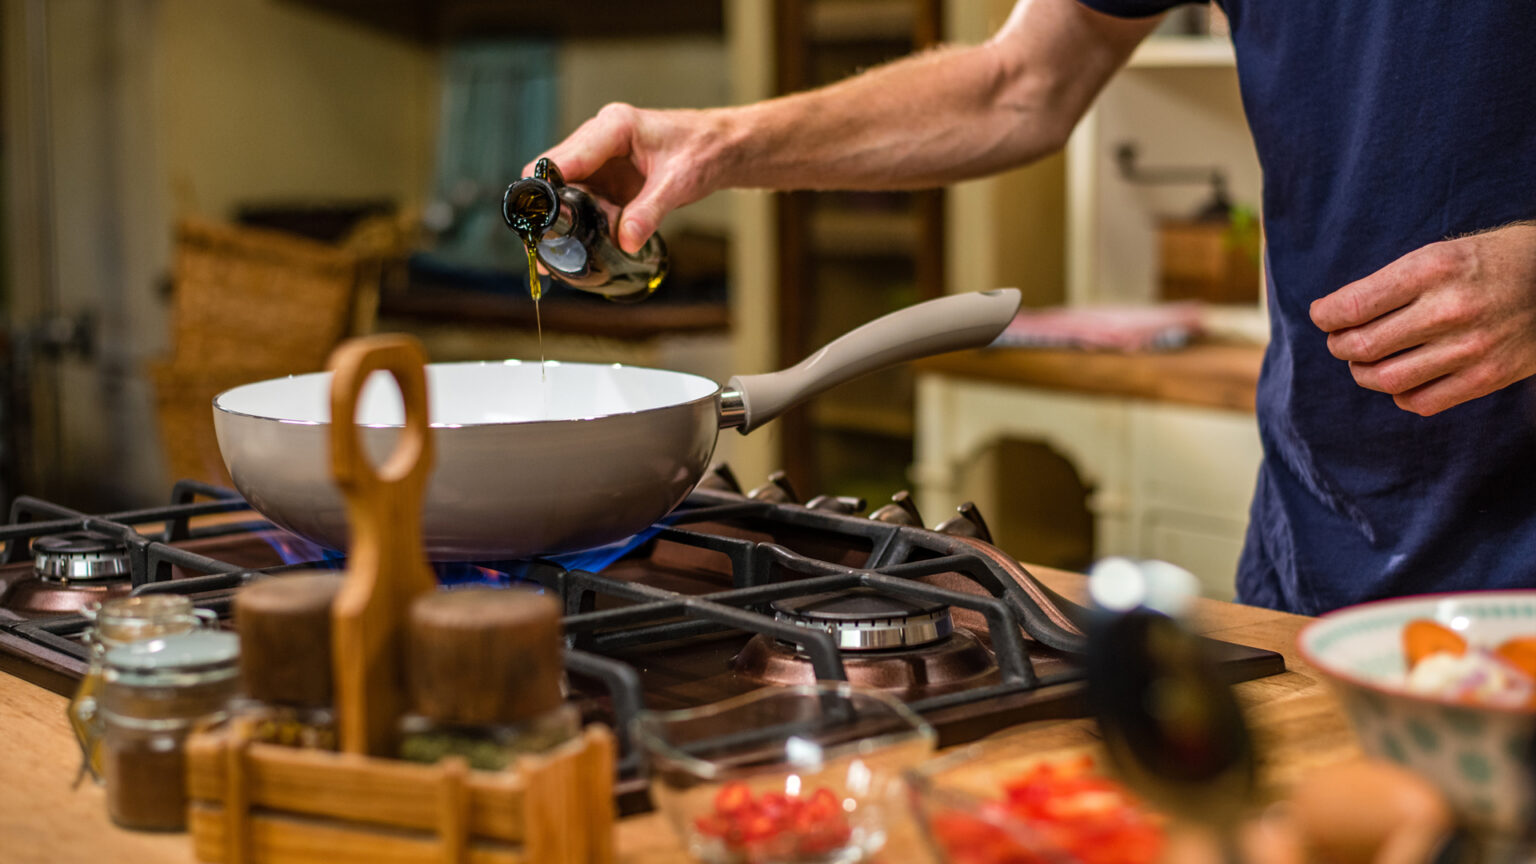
pixel 266 803
pixel 254 803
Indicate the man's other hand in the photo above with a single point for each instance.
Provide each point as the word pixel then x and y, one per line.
pixel 1442 325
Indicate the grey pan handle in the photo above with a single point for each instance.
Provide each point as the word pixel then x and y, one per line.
pixel 932 327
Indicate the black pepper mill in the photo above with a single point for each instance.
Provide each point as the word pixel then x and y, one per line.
pixel 568 230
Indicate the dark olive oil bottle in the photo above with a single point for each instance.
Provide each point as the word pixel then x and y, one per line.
pixel 565 227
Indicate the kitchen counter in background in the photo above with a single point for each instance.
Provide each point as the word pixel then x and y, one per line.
pixel 1298 725
pixel 1164 445
pixel 1205 374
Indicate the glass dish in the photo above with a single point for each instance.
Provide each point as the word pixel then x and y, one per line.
pixel 784 775
pixel 1058 810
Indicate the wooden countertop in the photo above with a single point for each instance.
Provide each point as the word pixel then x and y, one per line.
pixel 1297 725
pixel 1206 374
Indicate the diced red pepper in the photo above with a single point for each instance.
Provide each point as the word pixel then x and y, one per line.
pixel 732 798
pixel 1068 807
pixel 773 825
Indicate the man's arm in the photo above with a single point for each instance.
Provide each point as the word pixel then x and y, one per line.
pixel 928 119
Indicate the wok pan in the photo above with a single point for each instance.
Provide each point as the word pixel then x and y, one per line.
pixel 588 456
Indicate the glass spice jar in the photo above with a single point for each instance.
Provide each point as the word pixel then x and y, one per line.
pixel 114 623
pixel 485 671
pixel 154 694
pixel 284 624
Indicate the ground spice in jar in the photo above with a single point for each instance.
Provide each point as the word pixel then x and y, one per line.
pixel 153 695
pixel 148 790
pixel 114 623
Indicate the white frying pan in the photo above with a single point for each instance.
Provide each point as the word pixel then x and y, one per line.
pixel 526 467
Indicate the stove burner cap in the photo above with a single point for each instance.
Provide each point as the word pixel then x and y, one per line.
pixel 862 619
pixel 79 556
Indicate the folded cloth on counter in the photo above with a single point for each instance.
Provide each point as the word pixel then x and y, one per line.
pixel 1104 328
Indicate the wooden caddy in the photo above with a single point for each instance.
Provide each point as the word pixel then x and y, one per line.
pixel 254 803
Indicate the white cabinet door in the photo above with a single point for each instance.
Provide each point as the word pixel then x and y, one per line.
pixel 1205 546
pixel 1194 471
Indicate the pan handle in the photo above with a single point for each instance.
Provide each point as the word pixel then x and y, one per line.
pixel 932 327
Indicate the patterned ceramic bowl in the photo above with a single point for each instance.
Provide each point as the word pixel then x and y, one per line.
pixel 1480 756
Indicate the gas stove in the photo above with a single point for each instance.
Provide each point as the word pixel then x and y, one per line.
pixel 733 591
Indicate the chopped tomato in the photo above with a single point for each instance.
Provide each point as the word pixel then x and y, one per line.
pixel 732 799
pixel 774 826
pixel 1056 809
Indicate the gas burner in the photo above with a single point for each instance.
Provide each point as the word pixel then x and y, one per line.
pixel 946 665
pixel 80 556
pixel 861 619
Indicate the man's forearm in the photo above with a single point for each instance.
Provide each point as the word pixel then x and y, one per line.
pixel 936 117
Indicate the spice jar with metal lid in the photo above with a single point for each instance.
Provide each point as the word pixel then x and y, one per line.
pixel 153 695
pixel 284 624
pixel 485 671
pixel 114 623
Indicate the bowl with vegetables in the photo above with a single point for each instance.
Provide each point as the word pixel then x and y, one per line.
pixel 1445 685
pixel 1061 810
pixel 784 775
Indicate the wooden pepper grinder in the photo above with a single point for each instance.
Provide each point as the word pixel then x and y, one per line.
pixel 284 624
pixel 484 657
pixel 386 565
pixel 484 675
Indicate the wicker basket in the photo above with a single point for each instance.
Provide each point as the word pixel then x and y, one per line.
pixel 249 304
pixel 184 408
pixel 254 299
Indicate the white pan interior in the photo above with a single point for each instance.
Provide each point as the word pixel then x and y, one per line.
pixel 468 394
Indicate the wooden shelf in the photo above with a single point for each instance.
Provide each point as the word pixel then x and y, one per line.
pixel 589 317
pixel 439 21
pixel 864 419
pixel 860 20
pixel 845 256
pixel 839 233
pixel 1183 52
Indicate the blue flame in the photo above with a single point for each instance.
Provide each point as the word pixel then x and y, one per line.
pixel 293 549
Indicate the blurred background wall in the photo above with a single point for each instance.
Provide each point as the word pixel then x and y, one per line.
pixel 124 116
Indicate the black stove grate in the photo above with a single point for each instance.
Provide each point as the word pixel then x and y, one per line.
pixel 150 555
pixel 760 573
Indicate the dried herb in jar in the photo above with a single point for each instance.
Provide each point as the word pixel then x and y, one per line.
pixel 484 672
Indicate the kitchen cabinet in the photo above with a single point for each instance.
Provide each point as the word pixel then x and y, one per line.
pixel 845 258
pixel 1177 102
pixel 1165 449
pixel 1165 455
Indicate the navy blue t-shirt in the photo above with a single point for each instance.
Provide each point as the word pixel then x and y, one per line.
pixel 1381 126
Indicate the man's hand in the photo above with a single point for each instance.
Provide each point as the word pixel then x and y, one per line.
pixel 1441 325
pixel 648 163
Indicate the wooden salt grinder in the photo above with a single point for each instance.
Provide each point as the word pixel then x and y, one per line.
pixel 386 566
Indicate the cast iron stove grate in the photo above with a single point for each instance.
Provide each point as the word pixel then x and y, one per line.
pixel 667 624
